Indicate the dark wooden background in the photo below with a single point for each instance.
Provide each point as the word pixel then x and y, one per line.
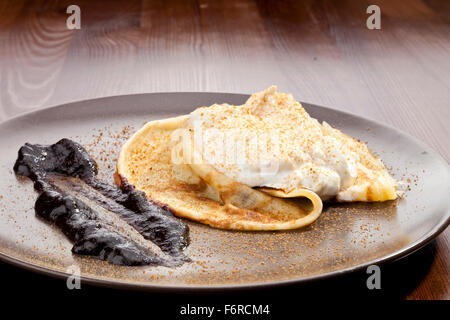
pixel 321 51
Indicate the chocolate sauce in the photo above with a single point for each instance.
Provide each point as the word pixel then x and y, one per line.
pixel 82 225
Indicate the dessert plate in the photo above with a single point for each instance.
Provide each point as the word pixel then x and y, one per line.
pixel 346 237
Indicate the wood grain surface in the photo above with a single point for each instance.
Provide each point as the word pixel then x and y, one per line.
pixel 321 51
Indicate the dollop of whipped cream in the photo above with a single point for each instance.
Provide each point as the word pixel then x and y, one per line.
pixel 271 141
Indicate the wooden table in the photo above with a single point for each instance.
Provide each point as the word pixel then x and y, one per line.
pixel 321 51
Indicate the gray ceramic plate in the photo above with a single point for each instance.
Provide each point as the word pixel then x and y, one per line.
pixel 344 239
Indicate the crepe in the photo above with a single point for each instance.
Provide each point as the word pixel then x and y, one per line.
pixel 199 192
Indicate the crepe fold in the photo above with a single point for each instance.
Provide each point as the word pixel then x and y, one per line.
pixel 197 191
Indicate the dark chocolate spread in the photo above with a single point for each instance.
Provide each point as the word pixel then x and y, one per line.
pixel 82 225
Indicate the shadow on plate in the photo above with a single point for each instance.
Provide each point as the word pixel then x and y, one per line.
pixel 398 279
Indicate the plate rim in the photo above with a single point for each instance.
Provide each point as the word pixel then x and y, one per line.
pixel 122 284
pixel 139 286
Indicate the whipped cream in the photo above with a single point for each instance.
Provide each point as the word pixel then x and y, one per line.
pixel 271 141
